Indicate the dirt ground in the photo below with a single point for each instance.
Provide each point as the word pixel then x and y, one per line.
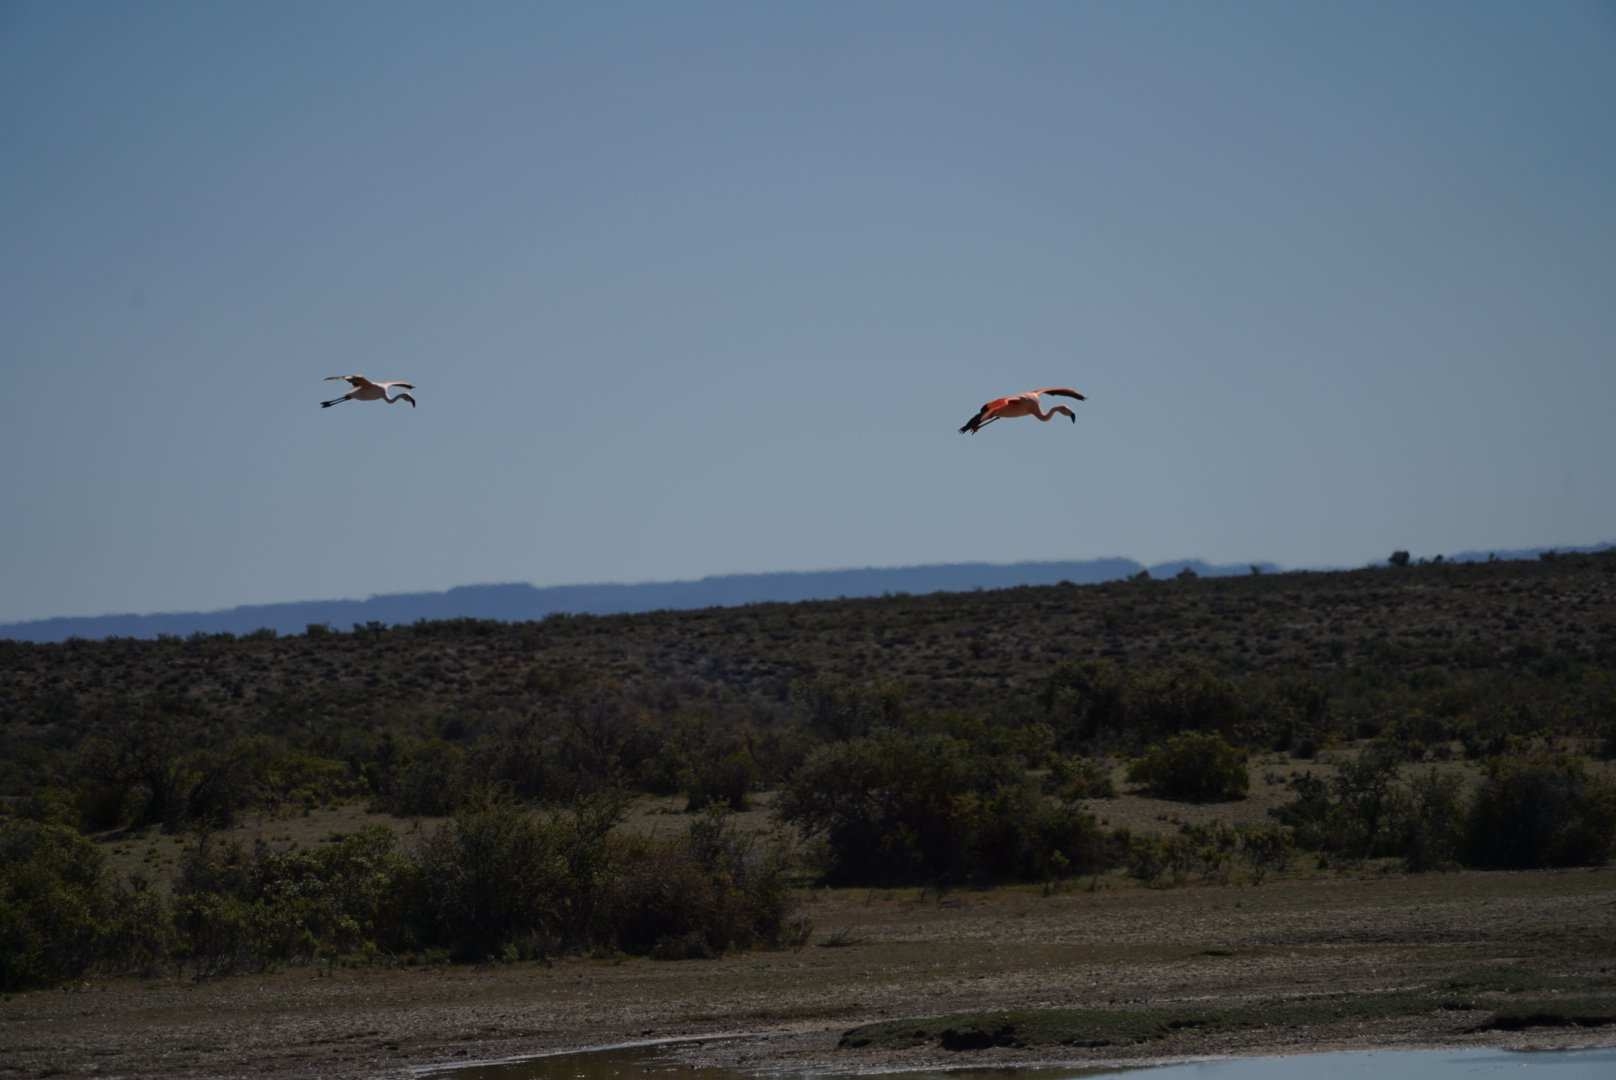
pixel 873 955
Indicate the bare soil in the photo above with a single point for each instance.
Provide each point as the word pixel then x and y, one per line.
pixel 881 955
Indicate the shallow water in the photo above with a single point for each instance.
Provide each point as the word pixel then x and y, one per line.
pixel 652 1062
pixel 1397 1065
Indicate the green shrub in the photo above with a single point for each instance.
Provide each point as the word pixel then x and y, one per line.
pixel 1146 856
pixel 1193 767
pixel 498 873
pixel 663 896
pixel 1266 849
pixel 497 881
pixel 213 933
pixel 1361 811
pixel 701 895
pixel 1311 815
pixel 1433 827
pixel 1186 699
pixel 516 757
pixel 1086 704
pixel 1016 833
pixel 899 807
pixel 140 935
pixel 1370 806
pixel 426 779
pixel 1208 851
pixel 53 909
pixel 1542 810
pixel 283 775
pixel 724 781
pixel 1075 778
pixel 238 910
pixel 1212 848
pixel 838 709
pixel 894 808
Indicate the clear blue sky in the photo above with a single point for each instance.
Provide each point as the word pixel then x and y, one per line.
pixel 707 287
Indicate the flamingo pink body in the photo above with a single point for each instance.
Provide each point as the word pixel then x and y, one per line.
pixel 365 390
pixel 1021 405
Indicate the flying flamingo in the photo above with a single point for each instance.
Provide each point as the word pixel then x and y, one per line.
pixel 365 390
pixel 1020 405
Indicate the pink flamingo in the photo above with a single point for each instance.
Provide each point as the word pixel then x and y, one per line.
pixel 365 390
pixel 1020 405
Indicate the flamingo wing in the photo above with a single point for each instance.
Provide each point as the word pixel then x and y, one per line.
pixel 396 382
pixel 985 415
pixel 354 380
pixel 1061 391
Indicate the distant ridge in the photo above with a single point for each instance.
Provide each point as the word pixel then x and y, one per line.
pixel 518 602
pixel 521 602
pixel 1524 553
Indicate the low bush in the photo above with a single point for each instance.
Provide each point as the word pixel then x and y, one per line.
pixel 425 778
pixel 1361 811
pixel 725 781
pixel 1266 849
pixel 1433 824
pixel 140 935
pixel 893 808
pixel 497 873
pixel 1210 852
pixel 236 909
pixel 902 808
pixel 1073 778
pixel 1194 767
pixel 53 908
pixel 1018 834
pixel 1542 810
pixel 704 894
pixel 1186 699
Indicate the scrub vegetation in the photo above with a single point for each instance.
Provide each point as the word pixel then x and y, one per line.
pixel 1431 716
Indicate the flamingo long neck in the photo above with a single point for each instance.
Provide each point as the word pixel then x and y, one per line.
pixel 395 397
pixel 1058 410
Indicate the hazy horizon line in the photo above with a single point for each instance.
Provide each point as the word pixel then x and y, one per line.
pixel 1468 554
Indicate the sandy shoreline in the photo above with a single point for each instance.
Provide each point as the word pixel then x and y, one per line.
pixel 898 955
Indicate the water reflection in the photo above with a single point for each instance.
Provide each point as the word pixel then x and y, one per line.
pixel 651 1062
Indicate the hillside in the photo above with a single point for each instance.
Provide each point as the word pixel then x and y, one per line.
pixel 1438 652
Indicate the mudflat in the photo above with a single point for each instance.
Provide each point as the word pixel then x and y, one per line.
pixel 1113 973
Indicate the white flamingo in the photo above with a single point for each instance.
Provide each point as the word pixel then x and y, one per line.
pixel 365 390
